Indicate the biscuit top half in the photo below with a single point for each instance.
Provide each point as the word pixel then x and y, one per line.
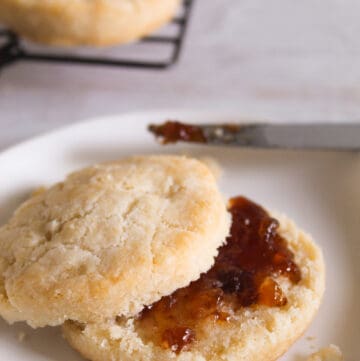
pixel 110 239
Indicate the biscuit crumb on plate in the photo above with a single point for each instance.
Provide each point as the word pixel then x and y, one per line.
pixel 21 336
pixel 330 353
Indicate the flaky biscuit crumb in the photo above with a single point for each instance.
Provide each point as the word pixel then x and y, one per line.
pixel 330 353
pixel 21 336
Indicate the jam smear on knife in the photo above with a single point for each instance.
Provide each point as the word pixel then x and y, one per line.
pixel 173 131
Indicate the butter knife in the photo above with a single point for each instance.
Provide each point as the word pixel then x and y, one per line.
pixel 317 136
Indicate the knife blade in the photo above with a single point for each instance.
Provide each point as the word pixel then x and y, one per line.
pixel 320 136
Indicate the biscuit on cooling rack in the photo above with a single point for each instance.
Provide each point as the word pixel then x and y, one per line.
pixel 84 22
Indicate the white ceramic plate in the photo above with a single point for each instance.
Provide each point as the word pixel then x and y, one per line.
pixel 319 190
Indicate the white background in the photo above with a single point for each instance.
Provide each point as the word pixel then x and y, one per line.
pixel 280 59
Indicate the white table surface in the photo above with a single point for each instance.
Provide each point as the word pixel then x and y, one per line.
pixel 281 59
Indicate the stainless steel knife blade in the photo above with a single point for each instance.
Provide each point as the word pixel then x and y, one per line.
pixel 322 136
pixel 294 136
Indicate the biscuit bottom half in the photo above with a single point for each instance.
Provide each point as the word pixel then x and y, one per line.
pixel 242 324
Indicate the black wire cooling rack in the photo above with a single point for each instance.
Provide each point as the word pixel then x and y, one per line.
pixel 13 49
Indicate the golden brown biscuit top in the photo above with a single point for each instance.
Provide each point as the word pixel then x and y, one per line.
pixel 110 239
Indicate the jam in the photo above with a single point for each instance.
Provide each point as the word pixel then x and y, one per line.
pixel 172 132
pixel 243 275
